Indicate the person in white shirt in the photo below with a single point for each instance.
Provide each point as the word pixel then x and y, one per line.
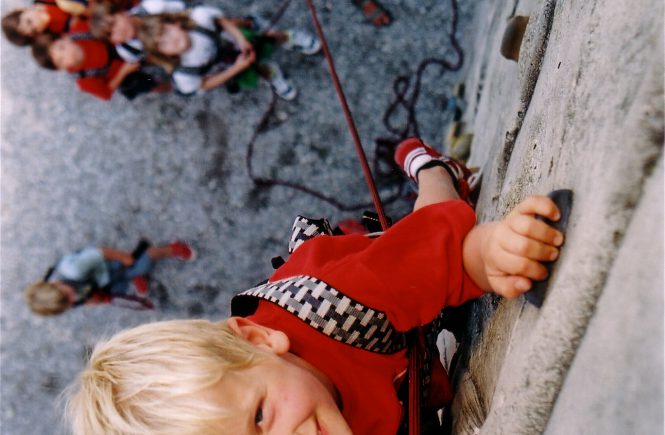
pixel 204 49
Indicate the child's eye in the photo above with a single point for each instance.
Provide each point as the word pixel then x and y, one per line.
pixel 258 418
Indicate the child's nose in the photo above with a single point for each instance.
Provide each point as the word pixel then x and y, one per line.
pixel 307 427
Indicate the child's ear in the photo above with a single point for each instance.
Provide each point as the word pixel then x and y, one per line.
pixel 261 336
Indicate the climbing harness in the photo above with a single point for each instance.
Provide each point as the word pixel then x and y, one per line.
pixel 327 310
pixel 225 53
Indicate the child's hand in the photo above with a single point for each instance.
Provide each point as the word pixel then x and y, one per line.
pixel 245 47
pixel 517 244
pixel 232 28
pixel 244 60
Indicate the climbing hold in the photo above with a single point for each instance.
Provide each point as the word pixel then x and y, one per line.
pixel 512 37
pixel 564 201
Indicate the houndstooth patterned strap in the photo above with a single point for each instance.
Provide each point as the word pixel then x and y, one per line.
pixel 330 312
pixel 306 228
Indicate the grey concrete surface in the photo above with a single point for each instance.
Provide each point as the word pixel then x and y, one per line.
pixel 616 378
pixel 77 171
pixel 594 124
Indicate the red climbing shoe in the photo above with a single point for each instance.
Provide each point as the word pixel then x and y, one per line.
pixel 182 251
pixel 412 155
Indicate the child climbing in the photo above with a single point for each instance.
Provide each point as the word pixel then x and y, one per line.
pixel 203 49
pixel 320 348
pixel 98 275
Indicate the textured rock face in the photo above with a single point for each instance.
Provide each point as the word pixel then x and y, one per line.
pixel 583 109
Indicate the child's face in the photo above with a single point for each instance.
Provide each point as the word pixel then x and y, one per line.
pixel 122 29
pixel 173 40
pixel 33 20
pixel 65 54
pixel 281 395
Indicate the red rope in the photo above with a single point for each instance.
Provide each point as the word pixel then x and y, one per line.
pixel 415 358
pixel 349 120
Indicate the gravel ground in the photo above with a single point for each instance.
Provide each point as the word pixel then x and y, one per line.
pixel 77 171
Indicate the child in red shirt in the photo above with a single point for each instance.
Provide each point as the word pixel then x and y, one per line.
pixel 21 26
pixel 320 349
pixel 98 68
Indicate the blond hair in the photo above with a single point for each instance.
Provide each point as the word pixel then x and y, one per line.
pixel 151 29
pixel 145 380
pixel 47 299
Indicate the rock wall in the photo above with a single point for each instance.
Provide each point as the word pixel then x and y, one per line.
pixel 582 109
